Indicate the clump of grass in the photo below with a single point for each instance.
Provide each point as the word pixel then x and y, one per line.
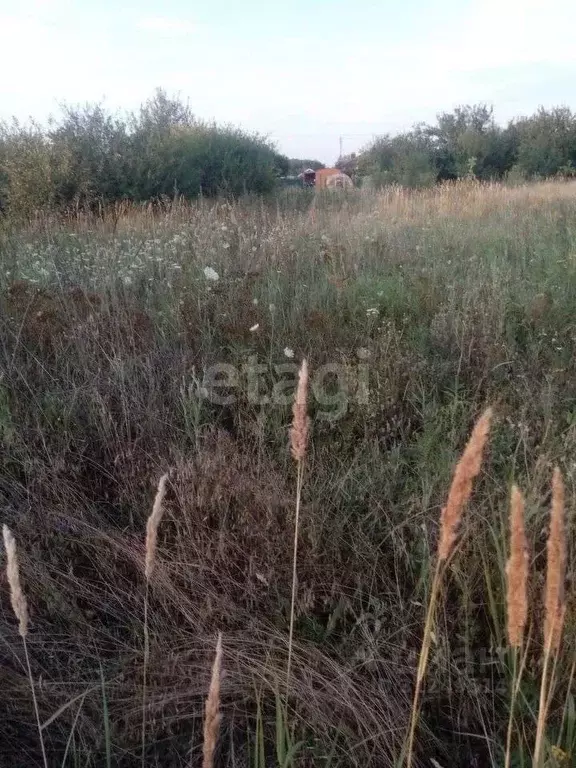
pixel 212 715
pixel 554 609
pixel 298 442
pixel 20 608
pixel 466 471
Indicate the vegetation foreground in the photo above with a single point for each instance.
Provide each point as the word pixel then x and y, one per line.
pixel 152 344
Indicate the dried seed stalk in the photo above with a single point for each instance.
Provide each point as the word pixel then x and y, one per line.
pixel 212 715
pixel 466 470
pixel 152 526
pixel 517 572
pixel 300 419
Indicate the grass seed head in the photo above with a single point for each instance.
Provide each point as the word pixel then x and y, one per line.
pixel 17 597
pixel 466 470
pixel 300 419
pixel 152 526
pixel 555 603
pixel 517 572
pixel 212 714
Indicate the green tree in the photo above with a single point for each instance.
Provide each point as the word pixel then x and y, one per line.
pixel 96 147
pixel 546 143
pixel 406 159
pixel 468 142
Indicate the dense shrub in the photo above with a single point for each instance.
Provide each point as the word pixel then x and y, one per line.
pixel 90 157
pixel 467 143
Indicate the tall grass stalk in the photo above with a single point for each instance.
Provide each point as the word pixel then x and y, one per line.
pixel 212 715
pixel 151 540
pixel 466 470
pixel 555 607
pixel 298 442
pixel 517 603
pixel 20 608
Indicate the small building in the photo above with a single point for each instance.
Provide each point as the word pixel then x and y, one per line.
pixel 332 178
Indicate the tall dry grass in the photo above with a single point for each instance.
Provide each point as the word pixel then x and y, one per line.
pixel 516 603
pixel 298 442
pixel 212 716
pixel 150 560
pixel 554 610
pixel 465 472
pixel 20 608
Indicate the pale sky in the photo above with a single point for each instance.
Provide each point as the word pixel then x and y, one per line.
pixel 303 72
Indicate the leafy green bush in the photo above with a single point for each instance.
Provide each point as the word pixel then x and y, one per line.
pixel 467 143
pixel 90 158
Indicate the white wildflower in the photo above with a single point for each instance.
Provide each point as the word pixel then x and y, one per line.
pixel 211 274
pixel 288 352
pixel 255 327
pixel 372 312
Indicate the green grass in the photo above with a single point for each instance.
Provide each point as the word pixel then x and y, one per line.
pixel 457 298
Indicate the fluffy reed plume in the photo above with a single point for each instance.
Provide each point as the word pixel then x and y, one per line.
pixel 17 596
pixel 152 526
pixel 466 470
pixel 20 608
pixel 212 714
pixel 556 567
pixel 517 572
pixel 554 608
pixel 516 602
pixel 300 419
pixel 298 442
pixel 151 540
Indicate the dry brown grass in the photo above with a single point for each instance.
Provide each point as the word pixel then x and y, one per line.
pixel 467 200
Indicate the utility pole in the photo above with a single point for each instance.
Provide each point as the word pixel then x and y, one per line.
pixel 340 155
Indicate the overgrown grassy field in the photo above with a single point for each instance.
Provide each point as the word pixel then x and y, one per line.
pixel 122 357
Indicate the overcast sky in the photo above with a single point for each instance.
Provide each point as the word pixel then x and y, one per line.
pixel 303 72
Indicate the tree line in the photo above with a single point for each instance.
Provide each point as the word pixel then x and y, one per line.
pixel 468 143
pixel 90 157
